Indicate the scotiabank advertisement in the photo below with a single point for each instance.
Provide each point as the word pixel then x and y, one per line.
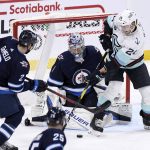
pixel 16 9
pixel 90 29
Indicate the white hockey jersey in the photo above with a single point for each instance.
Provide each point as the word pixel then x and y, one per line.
pixel 127 49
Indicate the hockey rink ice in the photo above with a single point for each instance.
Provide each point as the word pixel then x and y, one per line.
pixel 118 137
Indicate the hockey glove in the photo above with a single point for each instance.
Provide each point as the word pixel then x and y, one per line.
pixel 95 77
pixel 38 85
pixel 105 42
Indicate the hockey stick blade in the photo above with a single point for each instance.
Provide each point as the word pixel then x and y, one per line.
pixel 101 87
pixel 102 107
pixel 92 110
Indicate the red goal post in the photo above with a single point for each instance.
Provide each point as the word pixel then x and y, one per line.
pixel 58 18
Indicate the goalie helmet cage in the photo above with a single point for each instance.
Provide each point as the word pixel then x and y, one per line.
pixel 43 22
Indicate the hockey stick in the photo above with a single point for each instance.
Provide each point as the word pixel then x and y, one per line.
pixel 86 88
pixel 77 104
pixel 92 110
pixel 100 87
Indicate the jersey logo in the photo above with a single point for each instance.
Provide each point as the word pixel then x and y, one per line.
pixel 80 76
pixel 24 64
pixel 116 45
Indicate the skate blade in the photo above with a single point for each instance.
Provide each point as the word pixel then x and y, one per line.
pixel 94 132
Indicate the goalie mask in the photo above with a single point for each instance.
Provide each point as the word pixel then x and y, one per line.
pixel 28 39
pixel 76 46
pixel 56 116
pixel 127 21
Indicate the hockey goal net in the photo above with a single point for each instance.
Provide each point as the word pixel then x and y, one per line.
pixel 53 31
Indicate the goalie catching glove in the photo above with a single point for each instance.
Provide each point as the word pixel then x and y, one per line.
pixel 38 85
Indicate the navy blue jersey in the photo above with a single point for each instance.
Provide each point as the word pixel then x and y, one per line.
pixel 13 66
pixel 71 75
pixel 49 139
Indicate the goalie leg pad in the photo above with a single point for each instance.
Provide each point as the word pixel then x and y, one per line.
pixel 122 113
pixel 39 109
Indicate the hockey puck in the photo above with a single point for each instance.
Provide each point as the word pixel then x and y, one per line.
pixel 79 135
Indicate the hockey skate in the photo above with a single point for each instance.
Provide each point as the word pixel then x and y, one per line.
pixel 98 122
pixel 8 146
pixel 146 120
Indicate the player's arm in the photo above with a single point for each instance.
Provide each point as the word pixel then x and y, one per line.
pixel 56 76
pixel 98 74
pixel 105 39
pixel 17 83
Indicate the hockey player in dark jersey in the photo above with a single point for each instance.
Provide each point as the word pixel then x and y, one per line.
pixel 53 137
pixel 13 69
pixel 73 66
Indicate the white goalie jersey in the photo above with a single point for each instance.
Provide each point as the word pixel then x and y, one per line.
pixel 127 50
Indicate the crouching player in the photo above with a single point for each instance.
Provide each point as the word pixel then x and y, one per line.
pixel 53 137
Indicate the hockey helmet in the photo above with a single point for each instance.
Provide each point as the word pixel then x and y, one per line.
pixel 28 38
pixel 76 45
pixel 127 20
pixel 56 116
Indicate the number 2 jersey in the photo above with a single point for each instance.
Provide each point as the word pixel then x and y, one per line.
pixel 13 67
pixel 50 139
pixel 127 49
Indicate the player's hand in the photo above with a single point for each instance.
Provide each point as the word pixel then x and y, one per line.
pixel 105 42
pixel 94 77
pixel 38 85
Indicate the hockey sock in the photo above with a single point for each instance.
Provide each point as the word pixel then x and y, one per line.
pixel 5 133
pixel 15 119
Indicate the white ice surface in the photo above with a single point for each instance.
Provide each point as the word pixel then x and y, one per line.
pixel 119 137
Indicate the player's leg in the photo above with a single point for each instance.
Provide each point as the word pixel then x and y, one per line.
pixel 115 80
pixel 12 111
pixel 141 80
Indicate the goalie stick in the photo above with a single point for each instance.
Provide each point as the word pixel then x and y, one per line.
pixel 80 120
pixel 88 83
pixel 85 90
pixel 113 117
pixel 92 110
